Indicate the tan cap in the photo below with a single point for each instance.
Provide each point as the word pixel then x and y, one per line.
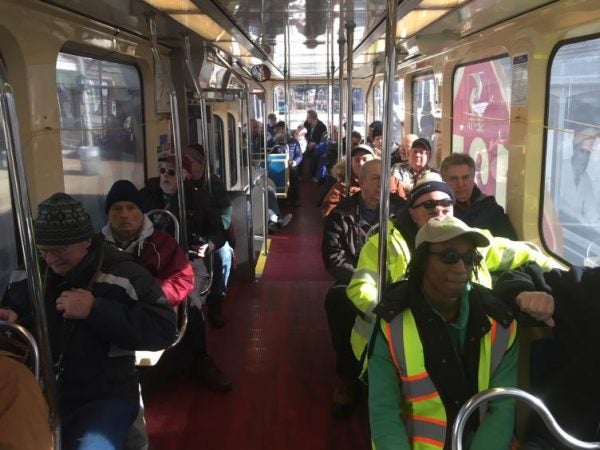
pixel 442 229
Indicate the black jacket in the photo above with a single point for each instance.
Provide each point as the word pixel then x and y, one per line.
pixel 203 211
pixel 344 235
pixel 570 386
pixel 130 313
pixel 484 212
pixel 317 132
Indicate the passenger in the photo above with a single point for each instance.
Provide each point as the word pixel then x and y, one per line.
pixel 330 160
pixel 205 225
pixel 130 230
pixel 345 232
pixel 569 384
pixel 426 361
pixel 378 141
pixel 431 197
pixel 271 122
pixel 577 198
pixel 375 127
pixel 406 174
pixel 101 306
pixel 472 206
pixel 402 153
pixel 294 161
pixel 360 155
pixel 315 129
pixel 194 159
pixel 320 153
pixel 24 417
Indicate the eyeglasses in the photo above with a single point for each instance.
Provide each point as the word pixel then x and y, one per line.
pixel 57 252
pixel 170 172
pixel 432 204
pixel 471 258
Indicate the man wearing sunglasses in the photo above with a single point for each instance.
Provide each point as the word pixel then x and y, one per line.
pixel 430 197
pixel 425 353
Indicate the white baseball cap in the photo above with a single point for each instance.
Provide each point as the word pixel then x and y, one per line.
pixel 444 228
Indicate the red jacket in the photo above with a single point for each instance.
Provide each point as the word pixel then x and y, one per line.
pixel 160 255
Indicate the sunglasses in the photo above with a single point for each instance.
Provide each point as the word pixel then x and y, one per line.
pixel 432 204
pixel 170 172
pixel 471 258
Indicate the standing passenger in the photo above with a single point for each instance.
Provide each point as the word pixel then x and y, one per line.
pixel 428 353
pixel 314 130
pixel 101 306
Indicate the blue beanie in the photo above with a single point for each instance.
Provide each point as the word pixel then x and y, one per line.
pixel 125 191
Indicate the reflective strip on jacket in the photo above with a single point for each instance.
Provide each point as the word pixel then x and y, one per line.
pixel 425 418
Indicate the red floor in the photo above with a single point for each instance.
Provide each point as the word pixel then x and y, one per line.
pixel 277 351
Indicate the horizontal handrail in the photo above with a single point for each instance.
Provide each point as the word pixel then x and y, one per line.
pixel 537 405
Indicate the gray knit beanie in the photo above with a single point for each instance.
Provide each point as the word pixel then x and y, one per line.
pixel 61 220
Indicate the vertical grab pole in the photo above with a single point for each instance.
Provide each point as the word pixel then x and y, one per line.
pixel 174 129
pixel 350 115
pixel 341 42
pixel 368 97
pixel 384 196
pixel 190 68
pixel 14 157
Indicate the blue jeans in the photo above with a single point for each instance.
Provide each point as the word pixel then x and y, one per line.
pixel 99 425
pixel 222 261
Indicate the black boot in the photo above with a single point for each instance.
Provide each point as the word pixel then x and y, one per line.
pixel 215 309
pixel 211 376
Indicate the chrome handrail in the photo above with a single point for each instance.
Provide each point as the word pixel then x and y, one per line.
pixel 538 406
pixel 32 343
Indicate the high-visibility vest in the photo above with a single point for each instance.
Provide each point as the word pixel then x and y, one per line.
pixel 424 412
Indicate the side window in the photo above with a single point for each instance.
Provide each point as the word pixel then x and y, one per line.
pixel 378 101
pixel 481 121
pixel 358 109
pixel 571 209
pixel 233 150
pixel 219 146
pixel 398 109
pixel 102 127
pixel 8 245
pixel 423 91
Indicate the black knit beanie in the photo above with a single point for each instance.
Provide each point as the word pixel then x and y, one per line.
pixel 61 220
pixel 125 191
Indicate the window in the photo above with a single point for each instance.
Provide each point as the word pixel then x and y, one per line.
pixel 8 245
pixel 102 131
pixel 378 101
pixel 219 146
pixel 303 97
pixel 481 121
pixel 571 212
pixel 422 100
pixel 233 162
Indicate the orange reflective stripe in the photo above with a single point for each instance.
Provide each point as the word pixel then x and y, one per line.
pixel 416 377
pixel 420 398
pixel 439 422
pixel 428 441
pixel 493 332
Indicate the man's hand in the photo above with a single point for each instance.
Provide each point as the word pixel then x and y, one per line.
pixel 75 304
pixel 539 305
pixel 201 250
pixel 8 316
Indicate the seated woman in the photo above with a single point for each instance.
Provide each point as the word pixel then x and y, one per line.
pixel 441 339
